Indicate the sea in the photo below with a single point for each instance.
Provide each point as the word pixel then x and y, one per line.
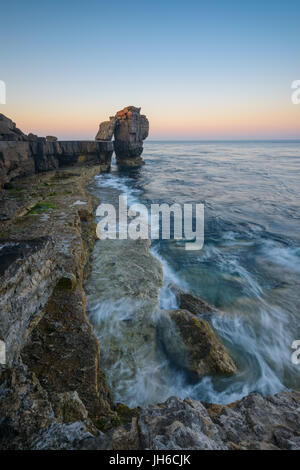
pixel 249 266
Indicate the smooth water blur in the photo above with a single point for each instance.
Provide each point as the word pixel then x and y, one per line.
pixel 249 267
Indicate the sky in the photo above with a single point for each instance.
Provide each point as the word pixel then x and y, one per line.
pixel 198 69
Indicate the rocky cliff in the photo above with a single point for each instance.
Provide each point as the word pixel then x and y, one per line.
pixel 22 155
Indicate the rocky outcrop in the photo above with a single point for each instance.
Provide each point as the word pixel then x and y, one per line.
pixel 16 160
pixel 52 375
pixel 22 155
pixel 255 422
pixel 190 302
pixel 9 131
pixel 191 344
pixel 106 129
pixel 130 130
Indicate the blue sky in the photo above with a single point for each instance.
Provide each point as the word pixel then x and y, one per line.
pixel 220 69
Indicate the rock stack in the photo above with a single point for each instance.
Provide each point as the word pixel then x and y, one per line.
pixel 129 128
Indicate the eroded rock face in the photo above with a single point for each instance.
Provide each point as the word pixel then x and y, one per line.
pixel 16 160
pixel 255 422
pixel 52 374
pixel 258 422
pixel 9 131
pixel 131 129
pixel 178 424
pixel 191 343
pixel 190 302
pixel 22 155
pixel 25 408
pixel 106 130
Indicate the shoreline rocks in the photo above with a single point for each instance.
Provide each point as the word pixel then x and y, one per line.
pixel 190 302
pixel 53 356
pixel 129 128
pixel 190 343
pixel 252 423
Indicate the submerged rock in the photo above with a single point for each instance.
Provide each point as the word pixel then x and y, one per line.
pixel 258 422
pixel 122 295
pixel 191 344
pixel 190 302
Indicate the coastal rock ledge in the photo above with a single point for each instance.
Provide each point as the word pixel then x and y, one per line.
pixel 23 155
pixel 255 422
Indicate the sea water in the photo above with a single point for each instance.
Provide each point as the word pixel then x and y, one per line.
pixel 249 267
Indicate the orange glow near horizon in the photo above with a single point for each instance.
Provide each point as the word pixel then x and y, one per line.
pixel 283 122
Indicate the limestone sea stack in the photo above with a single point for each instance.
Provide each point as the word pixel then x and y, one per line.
pixel 130 131
pixel 129 128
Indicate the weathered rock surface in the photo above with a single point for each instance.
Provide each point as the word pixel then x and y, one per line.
pixel 22 295
pixel 131 128
pixel 16 160
pixel 258 422
pixel 60 436
pixel 9 131
pixel 106 129
pixel 25 408
pixel 51 349
pixel 191 344
pixel 255 422
pixel 178 424
pixel 22 155
pixel 193 304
